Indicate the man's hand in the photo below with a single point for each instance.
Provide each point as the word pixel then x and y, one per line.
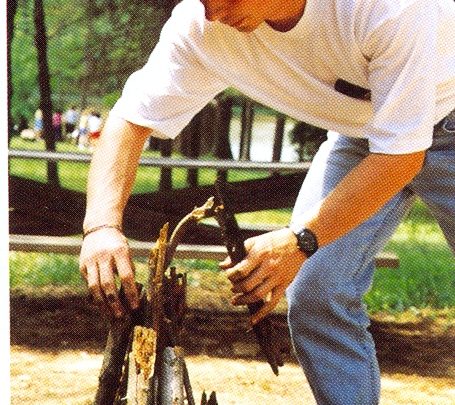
pixel 104 254
pixel 273 259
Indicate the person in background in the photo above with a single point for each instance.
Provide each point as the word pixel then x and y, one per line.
pixel 38 124
pixel 82 131
pixel 94 125
pixel 57 125
pixel 71 119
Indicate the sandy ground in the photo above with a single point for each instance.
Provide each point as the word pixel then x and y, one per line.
pixel 69 377
pixel 57 344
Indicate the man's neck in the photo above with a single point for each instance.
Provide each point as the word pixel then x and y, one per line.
pixel 287 14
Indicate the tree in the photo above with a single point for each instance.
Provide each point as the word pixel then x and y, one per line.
pixel 45 88
pixel 10 14
pixel 120 38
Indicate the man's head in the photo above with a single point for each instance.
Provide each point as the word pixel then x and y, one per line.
pixel 247 15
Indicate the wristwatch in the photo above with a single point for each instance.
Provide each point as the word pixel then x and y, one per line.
pixel 307 242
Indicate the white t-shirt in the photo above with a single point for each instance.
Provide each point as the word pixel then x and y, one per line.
pixel 402 50
pixel 94 123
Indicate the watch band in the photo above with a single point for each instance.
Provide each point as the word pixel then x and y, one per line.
pixel 307 242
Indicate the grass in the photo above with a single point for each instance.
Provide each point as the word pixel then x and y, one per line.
pixel 40 270
pixel 74 175
pixel 425 279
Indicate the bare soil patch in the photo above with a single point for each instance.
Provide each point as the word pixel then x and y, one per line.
pixel 57 342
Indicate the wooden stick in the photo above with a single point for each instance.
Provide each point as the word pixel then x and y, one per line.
pixel 114 356
pixel 115 352
pixel 182 227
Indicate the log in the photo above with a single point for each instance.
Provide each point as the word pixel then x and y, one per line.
pixel 114 357
pixel 171 383
pixel 115 353
pixel 141 364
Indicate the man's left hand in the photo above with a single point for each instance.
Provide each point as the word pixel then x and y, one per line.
pixel 273 259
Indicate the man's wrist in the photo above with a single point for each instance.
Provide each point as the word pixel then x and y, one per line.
pixel 89 230
pixel 306 240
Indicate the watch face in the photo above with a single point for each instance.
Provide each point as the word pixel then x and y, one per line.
pixel 307 242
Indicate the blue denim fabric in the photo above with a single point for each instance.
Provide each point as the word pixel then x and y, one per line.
pixel 327 318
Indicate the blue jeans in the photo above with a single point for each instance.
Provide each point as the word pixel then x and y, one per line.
pixel 327 318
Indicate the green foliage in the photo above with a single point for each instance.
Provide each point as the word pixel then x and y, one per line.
pixel 92 48
pixel 23 64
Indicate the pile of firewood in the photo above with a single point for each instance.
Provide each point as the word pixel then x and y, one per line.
pixel 143 360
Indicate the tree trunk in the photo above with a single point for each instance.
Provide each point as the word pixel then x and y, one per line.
pixel 166 172
pixel 45 88
pixel 10 14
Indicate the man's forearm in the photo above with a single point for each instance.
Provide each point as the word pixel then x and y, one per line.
pixel 113 171
pixel 361 194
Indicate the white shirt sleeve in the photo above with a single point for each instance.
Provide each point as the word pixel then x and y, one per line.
pixel 402 50
pixel 174 85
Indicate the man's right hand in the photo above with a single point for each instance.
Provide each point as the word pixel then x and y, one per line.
pixel 104 254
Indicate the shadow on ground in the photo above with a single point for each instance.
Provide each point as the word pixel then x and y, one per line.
pixel 55 323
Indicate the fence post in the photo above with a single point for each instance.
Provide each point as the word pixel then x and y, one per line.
pixel 247 128
pixel 279 136
pixel 222 148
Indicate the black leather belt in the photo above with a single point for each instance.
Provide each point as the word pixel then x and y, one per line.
pixel 447 123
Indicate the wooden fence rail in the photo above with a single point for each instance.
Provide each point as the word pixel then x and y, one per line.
pixel 72 246
pixel 167 162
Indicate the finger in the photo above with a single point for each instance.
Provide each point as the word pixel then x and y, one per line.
pixel 249 283
pixel 93 283
pixel 226 263
pixel 242 269
pixel 269 306
pixel 249 243
pixel 109 288
pixel 259 293
pixel 83 271
pixel 125 269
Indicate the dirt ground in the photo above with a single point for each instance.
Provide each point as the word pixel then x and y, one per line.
pixel 57 344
